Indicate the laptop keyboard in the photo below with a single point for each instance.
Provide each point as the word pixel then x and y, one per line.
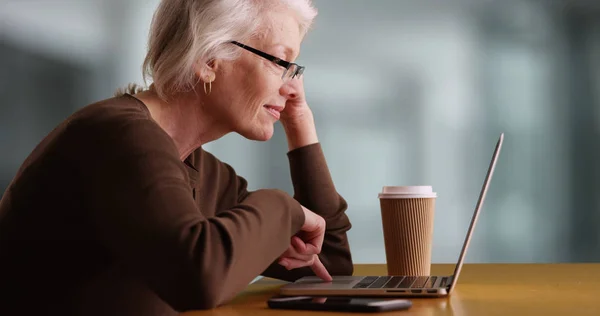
pixel 380 282
pixel 365 282
pixel 395 282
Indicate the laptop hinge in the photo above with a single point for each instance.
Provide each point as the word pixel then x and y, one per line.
pixel 450 280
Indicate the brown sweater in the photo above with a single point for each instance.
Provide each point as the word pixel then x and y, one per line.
pixel 104 219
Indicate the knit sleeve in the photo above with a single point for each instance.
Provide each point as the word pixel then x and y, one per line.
pixel 142 211
pixel 315 190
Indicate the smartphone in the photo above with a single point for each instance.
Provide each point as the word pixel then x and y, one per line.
pixel 343 304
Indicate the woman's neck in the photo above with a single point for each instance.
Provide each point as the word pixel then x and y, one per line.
pixel 184 119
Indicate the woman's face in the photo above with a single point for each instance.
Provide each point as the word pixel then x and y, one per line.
pixel 249 93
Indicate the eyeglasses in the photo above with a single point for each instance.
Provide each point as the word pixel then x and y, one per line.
pixel 291 69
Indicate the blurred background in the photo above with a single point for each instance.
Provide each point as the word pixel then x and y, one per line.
pixel 404 93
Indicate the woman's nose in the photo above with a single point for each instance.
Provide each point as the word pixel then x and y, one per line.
pixel 289 89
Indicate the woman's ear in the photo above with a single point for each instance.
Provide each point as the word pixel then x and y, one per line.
pixel 206 71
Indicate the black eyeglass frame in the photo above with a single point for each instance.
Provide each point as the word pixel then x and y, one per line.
pixel 285 64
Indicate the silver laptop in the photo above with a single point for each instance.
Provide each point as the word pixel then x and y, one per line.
pixel 417 286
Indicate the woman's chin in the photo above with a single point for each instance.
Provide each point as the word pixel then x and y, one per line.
pixel 261 134
pixel 266 135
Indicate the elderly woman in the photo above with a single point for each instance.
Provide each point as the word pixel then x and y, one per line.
pixel 119 210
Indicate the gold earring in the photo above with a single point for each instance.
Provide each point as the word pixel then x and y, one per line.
pixel 210 79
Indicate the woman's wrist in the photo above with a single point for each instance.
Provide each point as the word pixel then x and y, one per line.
pixel 300 131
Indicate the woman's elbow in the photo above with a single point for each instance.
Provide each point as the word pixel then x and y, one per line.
pixel 204 295
pixel 208 299
pixel 200 300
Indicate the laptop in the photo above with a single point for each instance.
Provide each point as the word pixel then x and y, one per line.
pixel 397 286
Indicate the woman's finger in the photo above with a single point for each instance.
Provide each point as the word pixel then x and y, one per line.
pixel 304 247
pixel 314 263
pixel 292 263
pixel 291 252
pixel 320 270
pixel 313 230
pixel 296 256
pixel 300 246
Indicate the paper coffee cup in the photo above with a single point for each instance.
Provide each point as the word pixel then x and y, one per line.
pixel 407 217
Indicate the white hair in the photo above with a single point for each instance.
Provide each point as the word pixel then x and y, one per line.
pixel 186 32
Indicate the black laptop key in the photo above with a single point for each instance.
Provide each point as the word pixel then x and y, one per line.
pixel 394 282
pixel 365 282
pixel 380 282
pixel 429 284
pixel 406 283
pixel 420 282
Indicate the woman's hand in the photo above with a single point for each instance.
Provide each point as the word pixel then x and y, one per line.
pixel 297 118
pixel 306 245
pixel 296 108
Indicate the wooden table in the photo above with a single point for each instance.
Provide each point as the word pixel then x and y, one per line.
pixel 483 289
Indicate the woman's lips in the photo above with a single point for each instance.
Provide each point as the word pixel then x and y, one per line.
pixel 274 110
